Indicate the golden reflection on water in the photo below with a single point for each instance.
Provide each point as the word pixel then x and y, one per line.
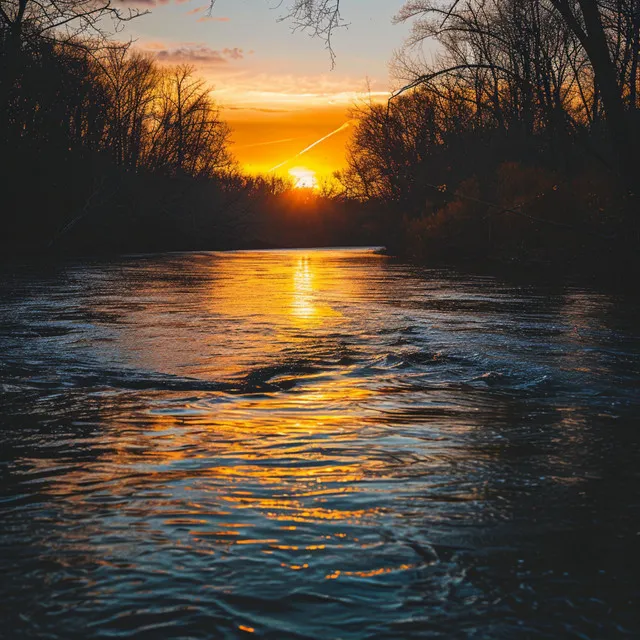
pixel 272 472
pixel 300 475
pixel 252 472
pixel 305 305
pixel 258 474
pixel 249 307
pixel 302 304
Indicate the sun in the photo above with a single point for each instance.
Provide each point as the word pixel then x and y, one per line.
pixel 303 178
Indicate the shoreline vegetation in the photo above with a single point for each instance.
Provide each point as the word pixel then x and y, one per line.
pixel 517 145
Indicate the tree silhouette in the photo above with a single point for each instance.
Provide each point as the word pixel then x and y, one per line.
pixel 548 52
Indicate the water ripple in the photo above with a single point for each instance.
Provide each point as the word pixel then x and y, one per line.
pixel 314 444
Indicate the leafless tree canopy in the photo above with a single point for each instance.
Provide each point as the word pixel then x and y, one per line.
pixel 319 17
pixel 119 103
pixel 68 21
pixel 560 59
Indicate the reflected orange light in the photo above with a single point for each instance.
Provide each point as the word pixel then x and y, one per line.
pixel 246 455
pixel 302 304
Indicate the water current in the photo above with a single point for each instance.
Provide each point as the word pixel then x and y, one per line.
pixel 320 444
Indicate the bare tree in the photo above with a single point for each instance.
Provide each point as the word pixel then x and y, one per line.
pixel 64 20
pixel 546 53
pixel 549 55
pixel 587 19
pixel 75 24
pixel 392 145
pixel 187 135
pixel 131 80
pixel 319 17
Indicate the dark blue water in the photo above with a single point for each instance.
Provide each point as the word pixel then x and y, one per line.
pixel 315 444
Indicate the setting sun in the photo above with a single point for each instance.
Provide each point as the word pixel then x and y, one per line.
pixel 303 178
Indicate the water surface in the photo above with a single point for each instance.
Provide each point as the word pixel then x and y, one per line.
pixel 314 444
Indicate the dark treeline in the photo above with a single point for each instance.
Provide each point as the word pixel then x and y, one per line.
pixel 519 140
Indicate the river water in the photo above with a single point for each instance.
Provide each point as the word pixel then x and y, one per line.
pixel 315 444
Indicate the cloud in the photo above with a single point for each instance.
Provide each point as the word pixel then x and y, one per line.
pixel 249 82
pixel 308 148
pixel 266 144
pixel 208 17
pixel 212 19
pixel 198 54
pixel 246 87
pixel 154 45
pixel 234 54
pixel 233 107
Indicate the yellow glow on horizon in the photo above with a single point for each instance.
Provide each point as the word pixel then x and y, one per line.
pixel 303 178
pixel 271 141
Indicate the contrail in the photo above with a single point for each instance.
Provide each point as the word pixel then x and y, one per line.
pixel 311 146
pixel 264 144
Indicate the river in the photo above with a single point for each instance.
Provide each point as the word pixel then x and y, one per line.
pixel 315 444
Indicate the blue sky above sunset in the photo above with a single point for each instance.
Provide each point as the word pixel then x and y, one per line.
pixel 276 88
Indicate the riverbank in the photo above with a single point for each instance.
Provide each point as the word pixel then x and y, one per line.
pixel 134 214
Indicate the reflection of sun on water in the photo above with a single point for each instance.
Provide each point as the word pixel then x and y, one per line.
pixel 302 304
pixel 303 178
pixel 238 475
pixel 305 305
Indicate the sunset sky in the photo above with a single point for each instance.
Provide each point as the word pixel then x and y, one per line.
pixel 277 88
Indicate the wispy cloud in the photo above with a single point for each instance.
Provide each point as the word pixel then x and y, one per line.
pixel 266 144
pixel 311 146
pixel 213 19
pixel 138 3
pixel 245 79
pixel 153 45
pixel 233 107
pixel 198 54
pixel 243 87
pixel 148 3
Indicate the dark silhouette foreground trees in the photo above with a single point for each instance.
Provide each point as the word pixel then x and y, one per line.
pixel 91 129
pixel 26 26
pixel 103 149
pixel 562 64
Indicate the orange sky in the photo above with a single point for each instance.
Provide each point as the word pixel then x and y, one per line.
pixel 277 89
pixel 264 138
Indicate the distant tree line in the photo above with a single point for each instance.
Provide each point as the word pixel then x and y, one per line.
pixel 518 139
pixel 532 66
pixel 550 63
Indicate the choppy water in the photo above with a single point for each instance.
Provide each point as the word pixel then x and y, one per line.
pixel 315 444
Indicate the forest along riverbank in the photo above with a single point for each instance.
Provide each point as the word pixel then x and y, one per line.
pixel 314 443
